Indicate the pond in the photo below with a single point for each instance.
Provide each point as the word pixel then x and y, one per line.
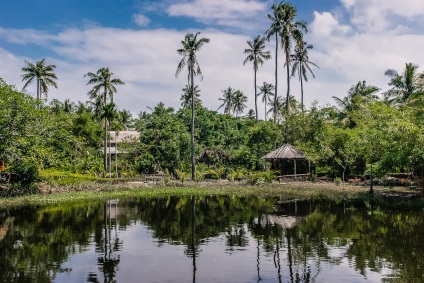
pixel 211 239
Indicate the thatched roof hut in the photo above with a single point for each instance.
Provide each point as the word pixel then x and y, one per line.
pixel 287 151
pixel 289 161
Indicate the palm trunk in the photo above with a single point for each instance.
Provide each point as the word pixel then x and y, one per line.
pixel 38 88
pixel 288 80
pixel 256 99
pixel 301 90
pixel 105 143
pixel 288 93
pixel 265 107
pixel 110 155
pixel 105 146
pixel 193 169
pixel 276 77
pixel 116 156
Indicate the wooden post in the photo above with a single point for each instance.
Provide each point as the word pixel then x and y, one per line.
pixel 294 166
pixel 2 165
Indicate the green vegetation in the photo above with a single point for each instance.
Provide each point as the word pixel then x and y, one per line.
pixel 365 134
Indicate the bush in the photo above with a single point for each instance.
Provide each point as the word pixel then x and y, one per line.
pixel 25 172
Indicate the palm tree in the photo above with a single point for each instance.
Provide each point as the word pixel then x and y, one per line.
pixel 109 114
pixel 290 30
pixel 102 81
pixel 266 91
pixel 239 101
pixel 275 29
pixel 227 99
pixel 186 97
pixel 404 85
pixel 257 55
pixel 358 95
pixel 301 64
pixel 191 45
pixel 277 107
pixel 44 75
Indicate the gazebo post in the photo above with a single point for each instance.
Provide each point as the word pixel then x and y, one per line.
pixel 294 166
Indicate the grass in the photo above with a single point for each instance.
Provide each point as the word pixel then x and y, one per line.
pixel 53 193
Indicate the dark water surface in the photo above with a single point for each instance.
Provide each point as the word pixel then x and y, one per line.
pixel 211 239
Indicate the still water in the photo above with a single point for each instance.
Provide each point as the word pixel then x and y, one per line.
pixel 211 239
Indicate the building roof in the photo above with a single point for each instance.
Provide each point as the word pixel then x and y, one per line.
pixel 287 151
pixel 123 136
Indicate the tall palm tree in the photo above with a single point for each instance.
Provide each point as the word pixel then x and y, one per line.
pixel 186 97
pixel 42 73
pixel 301 64
pixel 239 102
pixel 190 46
pixel 275 29
pixel 257 55
pixel 403 85
pixel 266 91
pixel 109 114
pixel 104 86
pixel 227 100
pixel 290 30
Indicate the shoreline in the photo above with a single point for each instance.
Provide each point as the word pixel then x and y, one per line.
pixel 397 197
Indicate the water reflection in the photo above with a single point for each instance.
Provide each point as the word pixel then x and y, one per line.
pixel 211 239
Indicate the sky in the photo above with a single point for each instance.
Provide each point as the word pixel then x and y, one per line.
pixel 353 40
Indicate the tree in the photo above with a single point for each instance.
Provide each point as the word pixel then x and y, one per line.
pixel 104 86
pixel 42 73
pixel 301 64
pixel 358 95
pixel 191 45
pixel 404 86
pixel 227 100
pixel 257 56
pixel 275 29
pixel 290 30
pixel 239 101
pixel 186 97
pixel 266 91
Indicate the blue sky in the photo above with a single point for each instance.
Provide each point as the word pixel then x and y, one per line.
pixel 353 40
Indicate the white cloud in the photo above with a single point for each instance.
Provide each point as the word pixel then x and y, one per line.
pixel 380 16
pixel 146 60
pixel 325 25
pixel 232 13
pixel 141 20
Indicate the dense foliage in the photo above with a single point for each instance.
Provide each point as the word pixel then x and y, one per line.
pixel 363 131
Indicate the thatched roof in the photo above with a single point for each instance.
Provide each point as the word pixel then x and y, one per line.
pixel 287 151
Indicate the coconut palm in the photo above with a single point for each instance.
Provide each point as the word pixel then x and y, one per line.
pixel 274 30
pixel 301 64
pixel 104 86
pixel 191 45
pixel 109 114
pixel 257 55
pixel 290 30
pixel 358 95
pixel 239 102
pixel 227 100
pixel 42 73
pixel 404 86
pixel 266 91
pixel 186 97
pixel 278 108
pixel 102 81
